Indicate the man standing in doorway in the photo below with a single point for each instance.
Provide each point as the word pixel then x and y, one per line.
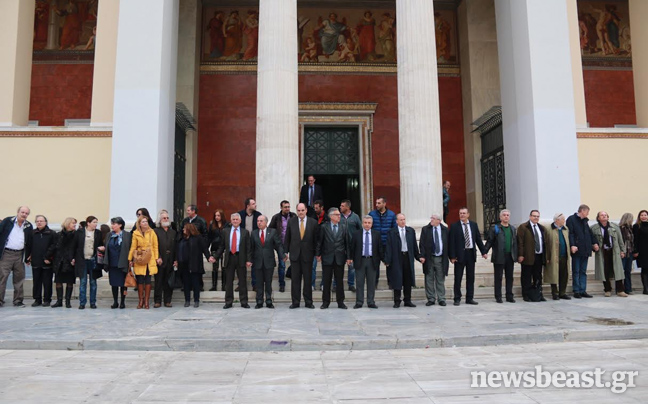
pixel 383 221
pixel 309 194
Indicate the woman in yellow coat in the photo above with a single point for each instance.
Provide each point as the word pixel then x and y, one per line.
pixel 144 244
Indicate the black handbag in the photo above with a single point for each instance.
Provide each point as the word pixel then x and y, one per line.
pixel 535 293
pixel 289 272
pixel 171 279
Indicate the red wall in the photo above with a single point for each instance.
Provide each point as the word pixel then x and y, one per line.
pixel 609 98
pixel 227 133
pixel 59 92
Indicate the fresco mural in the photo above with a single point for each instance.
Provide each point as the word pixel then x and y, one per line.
pixel 604 29
pixel 75 22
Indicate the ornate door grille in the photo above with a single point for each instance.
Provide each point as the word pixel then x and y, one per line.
pixel 492 165
pixel 331 150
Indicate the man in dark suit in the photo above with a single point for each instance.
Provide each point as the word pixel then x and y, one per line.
pixel 463 240
pixel 310 193
pixel 235 245
pixel 264 243
pixel 279 222
pixel 367 252
pixel 192 217
pixel 502 238
pixel 301 238
pixel 333 251
pixel 399 257
pixel 434 249
pixel 531 243
pixel 249 217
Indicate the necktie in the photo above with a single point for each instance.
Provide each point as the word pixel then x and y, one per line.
pixel 262 238
pixel 301 228
pixel 403 241
pixel 366 245
pixel 436 242
pixel 536 236
pixel 233 246
pixel 310 196
pixel 466 236
pixel 335 229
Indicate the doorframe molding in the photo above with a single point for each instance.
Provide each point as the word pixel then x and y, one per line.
pixel 344 114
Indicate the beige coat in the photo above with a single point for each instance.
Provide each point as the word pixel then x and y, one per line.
pixel 550 275
pixel 617 247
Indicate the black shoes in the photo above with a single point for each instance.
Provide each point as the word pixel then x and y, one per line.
pixel 227 306
pixel 442 303
pixel 555 297
pixel 357 306
pixel 270 306
pixel 510 300
pixel 294 306
pixel 429 304
pixel 58 303
pixel 114 305
pixel 258 306
pixel 36 304
pixel 564 297
pixel 187 303
pixel 372 306
pixel 542 299
pixel 409 304
pixel 19 304
pixel 457 302
pixel 282 289
pixel 499 300
pixel 396 305
pixel 245 305
pixel 310 306
pixel 196 304
pixel 323 306
pixel 587 295
pixel 342 306
pixel 471 302
pixel 93 306
pixel 577 295
pixel 82 306
pixel 352 288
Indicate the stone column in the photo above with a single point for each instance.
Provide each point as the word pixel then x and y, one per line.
pixel 103 79
pixel 639 32
pixel 144 108
pixel 16 42
pixel 419 127
pixel 53 28
pixel 277 138
pixel 540 149
pixel 577 65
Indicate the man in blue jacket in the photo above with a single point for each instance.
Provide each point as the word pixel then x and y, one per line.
pixel 582 242
pixel 383 221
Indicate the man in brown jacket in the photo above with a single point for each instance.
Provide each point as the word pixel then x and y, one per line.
pixel 531 238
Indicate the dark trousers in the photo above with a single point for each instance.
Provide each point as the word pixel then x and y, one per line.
pixel 378 274
pixel 238 268
pixel 505 269
pixel 531 275
pixel 162 289
pixel 608 265
pixel 301 269
pixel 469 267
pixel 191 281
pixel 328 271
pixel 446 210
pixel 627 269
pixel 368 272
pixel 563 276
pixel 407 280
pixel 264 284
pixel 42 283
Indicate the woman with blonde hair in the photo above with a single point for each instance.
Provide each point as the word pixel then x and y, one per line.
pixel 625 224
pixel 63 262
pixel 143 255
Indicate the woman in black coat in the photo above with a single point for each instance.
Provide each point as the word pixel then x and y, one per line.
pixel 214 237
pixel 42 258
pixel 191 249
pixel 63 263
pixel 117 243
pixel 88 243
pixel 640 230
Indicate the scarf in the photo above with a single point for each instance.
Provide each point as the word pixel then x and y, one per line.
pixel 119 236
pixel 607 240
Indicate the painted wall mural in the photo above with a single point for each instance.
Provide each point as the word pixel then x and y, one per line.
pixel 604 28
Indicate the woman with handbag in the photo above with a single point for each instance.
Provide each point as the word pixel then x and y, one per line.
pixel 143 255
pixel 191 249
pixel 63 262
pixel 88 243
pixel 117 243
pixel 214 236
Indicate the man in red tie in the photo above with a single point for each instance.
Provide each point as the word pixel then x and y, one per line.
pixel 237 255
pixel 264 242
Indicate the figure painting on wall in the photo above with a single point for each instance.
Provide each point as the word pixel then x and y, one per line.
pixel 310 51
pixel 366 31
pixel 603 29
pixel 387 38
pixel 71 26
pixel 252 34
pixel 233 33
pixel 216 35
pixel 41 21
pixel 442 33
pixel 331 33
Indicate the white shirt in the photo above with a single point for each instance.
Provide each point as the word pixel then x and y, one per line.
pixel 262 234
pixel 463 231
pixel 16 240
pixel 238 238
pixel 539 237
pixel 438 230
pixel 402 233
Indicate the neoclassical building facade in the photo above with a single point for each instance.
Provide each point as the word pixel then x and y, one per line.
pixel 111 105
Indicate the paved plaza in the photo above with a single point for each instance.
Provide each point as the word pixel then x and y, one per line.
pixel 401 376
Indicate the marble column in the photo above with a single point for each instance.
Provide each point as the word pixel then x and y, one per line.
pixel 541 154
pixel 16 43
pixel 639 32
pixel 580 111
pixel 277 135
pixel 103 78
pixel 419 127
pixel 53 28
pixel 144 108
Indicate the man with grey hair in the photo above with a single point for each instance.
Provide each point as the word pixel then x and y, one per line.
pixel 556 271
pixel 237 255
pixel 433 246
pixel 333 251
pixel 367 252
pixel 16 236
pixel 502 238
